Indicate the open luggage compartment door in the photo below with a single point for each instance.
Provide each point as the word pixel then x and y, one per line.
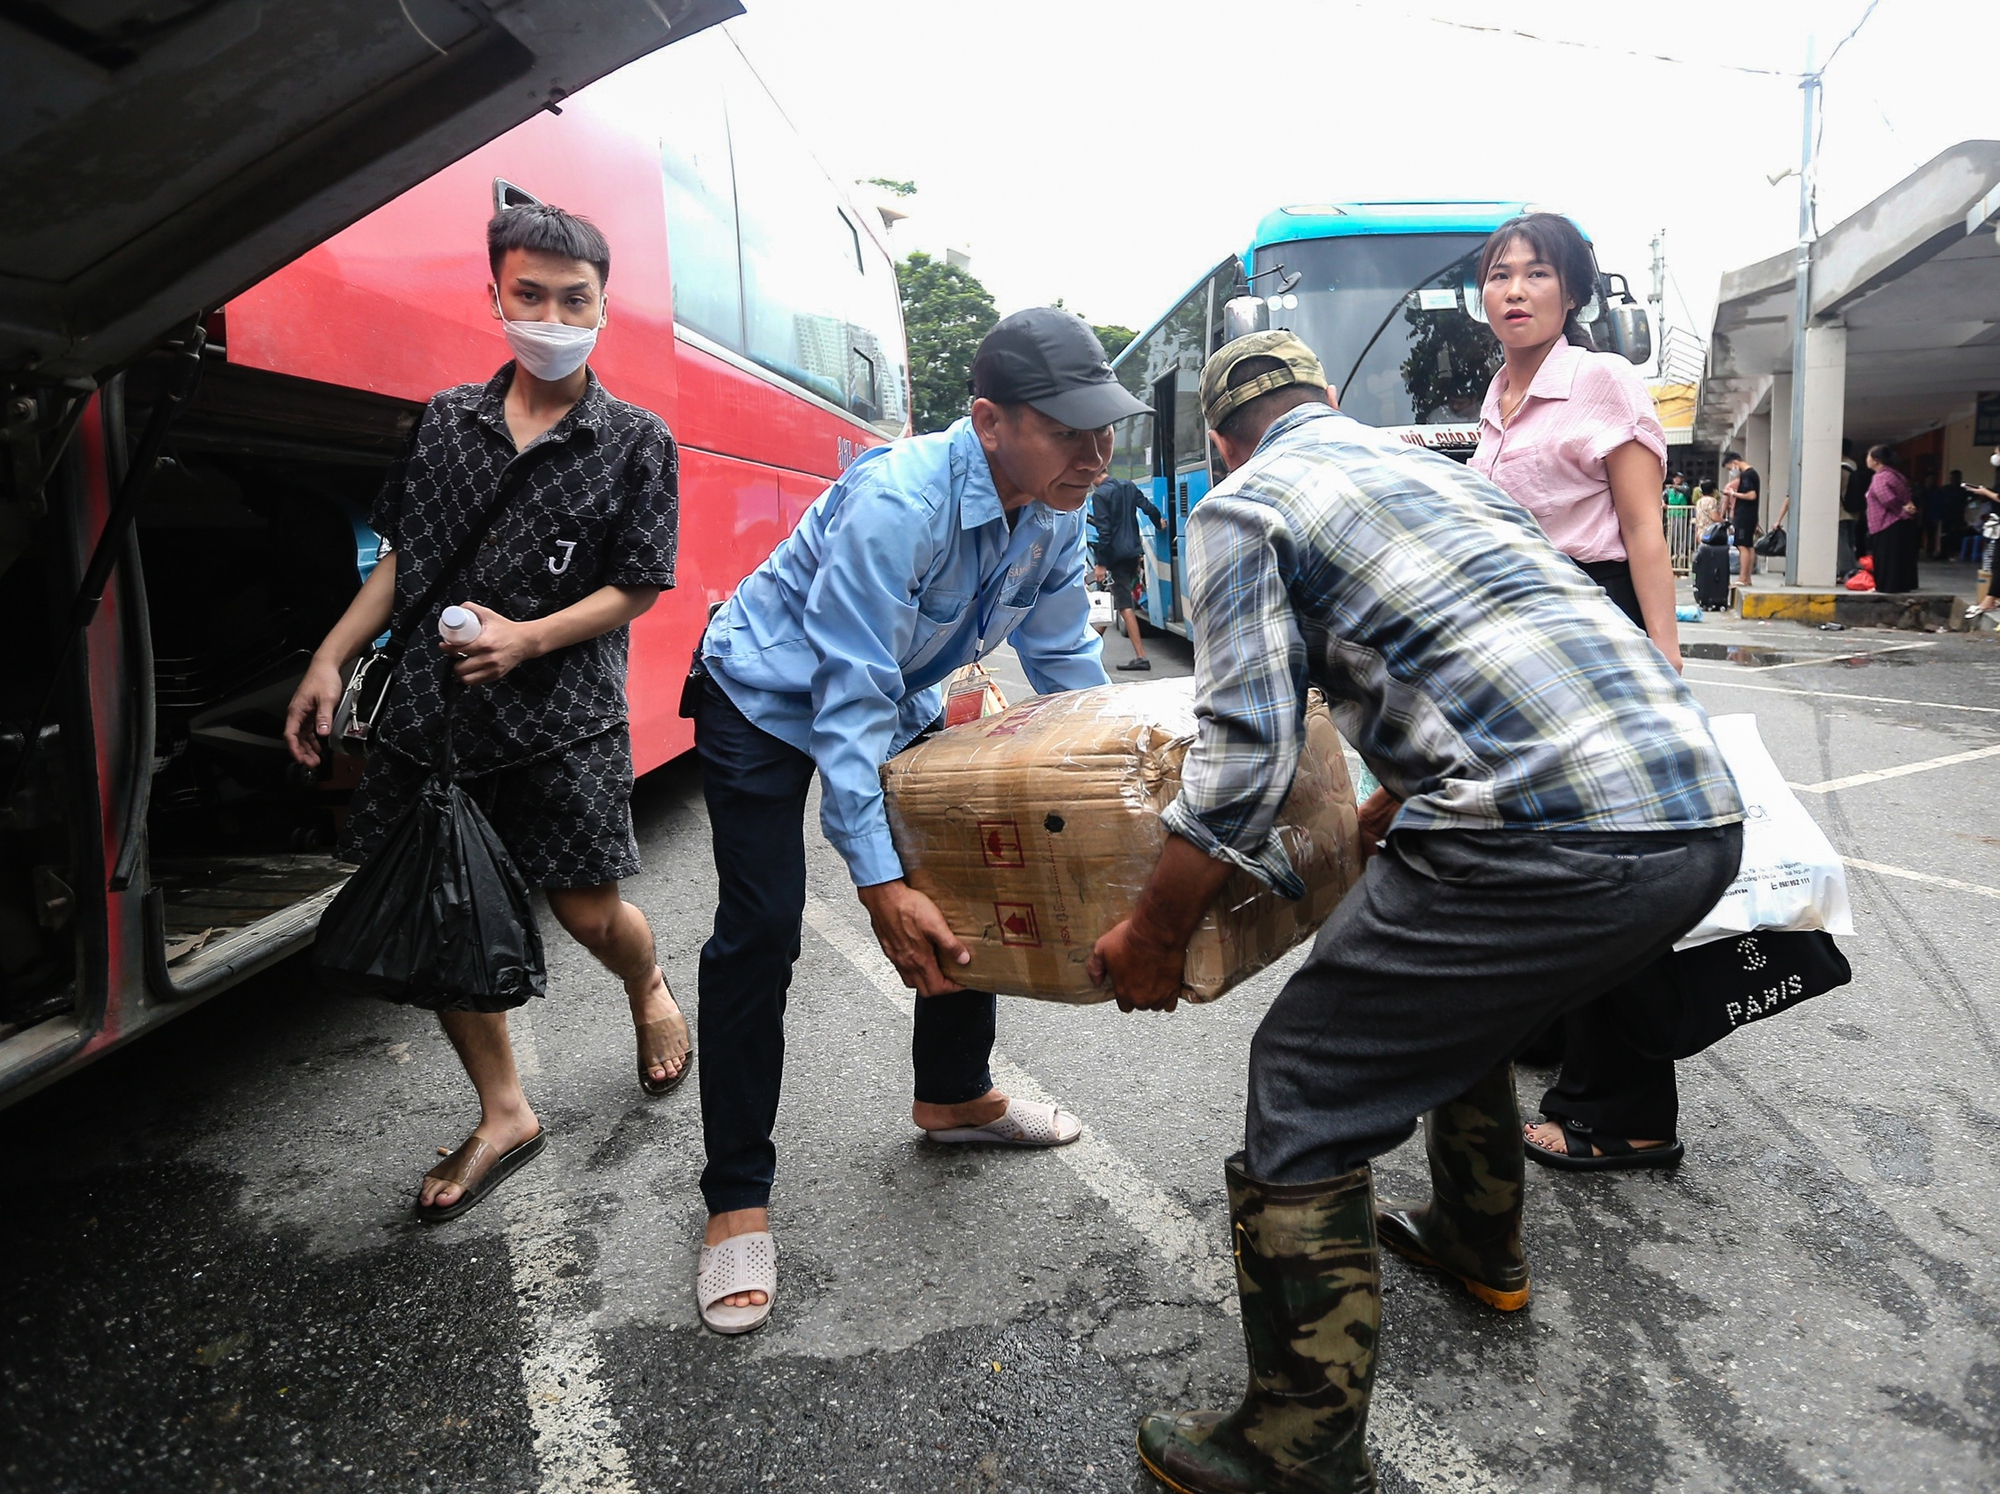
pixel 157 156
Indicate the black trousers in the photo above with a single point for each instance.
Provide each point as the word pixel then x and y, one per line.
pixel 1607 1083
pixel 1453 947
pixel 755 786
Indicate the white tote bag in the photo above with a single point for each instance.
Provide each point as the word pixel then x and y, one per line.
pixel 1101 615
pixel 1791 876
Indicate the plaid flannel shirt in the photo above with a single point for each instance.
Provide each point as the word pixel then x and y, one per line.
pixel 1484 678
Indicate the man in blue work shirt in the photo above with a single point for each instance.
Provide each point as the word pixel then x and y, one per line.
pixel 925 556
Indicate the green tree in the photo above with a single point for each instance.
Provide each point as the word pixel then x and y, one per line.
pixel 895 188
pixel 946 311
pixel 1114 338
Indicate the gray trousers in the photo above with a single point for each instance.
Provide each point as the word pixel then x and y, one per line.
pixel 1455 947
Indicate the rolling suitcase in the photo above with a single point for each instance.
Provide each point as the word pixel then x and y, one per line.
pixel 1711 576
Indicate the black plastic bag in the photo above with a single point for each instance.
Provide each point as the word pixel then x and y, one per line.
pixel 439 917
pixel 1772 543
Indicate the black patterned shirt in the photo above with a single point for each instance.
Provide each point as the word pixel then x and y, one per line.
pixel 594 502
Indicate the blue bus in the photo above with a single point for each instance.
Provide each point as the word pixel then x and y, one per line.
pixel 1383 292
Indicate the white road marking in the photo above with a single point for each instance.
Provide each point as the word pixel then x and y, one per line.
pixel 1929 705
pixel 577 1438
pixel 1866 653
pixel 1428 1453
pixel 527 1056
pixel 1855 780
pixel 1916 876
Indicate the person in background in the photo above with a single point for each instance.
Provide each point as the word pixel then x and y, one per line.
pixel 926 555
pixel 1572 436
pixel 1944 511
pixel 1981 510
pixel 584 544
pixel 1853 506
pixel 1555 813
pixel 1892 523
pixel 1676 495
pixel 1707 510
pixel 1741 496
pixel 1115 507
pixel 1569 434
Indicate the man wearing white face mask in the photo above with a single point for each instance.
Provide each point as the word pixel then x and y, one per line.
pixel 549 510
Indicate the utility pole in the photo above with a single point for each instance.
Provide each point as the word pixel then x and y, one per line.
pixel 1658 301
pixel 1801 311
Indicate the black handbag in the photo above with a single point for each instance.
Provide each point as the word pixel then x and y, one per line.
pixel 367 688
pixel 1692 999
pixel 1772 543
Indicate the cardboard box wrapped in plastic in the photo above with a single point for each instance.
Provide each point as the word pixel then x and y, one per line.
pixel 1034 831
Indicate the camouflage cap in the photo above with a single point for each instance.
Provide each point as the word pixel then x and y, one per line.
pixel 1219 401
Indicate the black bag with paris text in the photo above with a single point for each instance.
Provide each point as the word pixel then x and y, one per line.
pixel 1692 999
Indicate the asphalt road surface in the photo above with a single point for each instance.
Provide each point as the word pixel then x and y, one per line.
pixel 210 1278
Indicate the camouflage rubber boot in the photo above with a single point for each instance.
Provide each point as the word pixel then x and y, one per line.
pixel 1471 1228
pixel 1312 1303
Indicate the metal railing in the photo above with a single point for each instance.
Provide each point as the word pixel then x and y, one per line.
pixel 1680 538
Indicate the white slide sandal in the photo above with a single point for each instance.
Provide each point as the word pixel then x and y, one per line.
pixel 1024 1124
pixel 741 1263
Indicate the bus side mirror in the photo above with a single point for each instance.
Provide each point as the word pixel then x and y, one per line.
pixel 1243 315
pixel 1629 330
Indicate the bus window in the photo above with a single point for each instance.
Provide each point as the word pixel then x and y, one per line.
pixel 1386 314
pixel 701 196
pixel 816 309
pixel 1186 343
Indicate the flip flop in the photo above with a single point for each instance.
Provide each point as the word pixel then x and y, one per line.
pixel 741 1263
pixel 1580 1147
pixel 1023 1124
pixel 650 1054
pixel 476 1169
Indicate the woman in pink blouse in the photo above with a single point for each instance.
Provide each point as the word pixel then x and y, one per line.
pixel 1569 434
pixel 1892 523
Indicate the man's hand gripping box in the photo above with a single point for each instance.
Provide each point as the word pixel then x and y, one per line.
pixel 1035 830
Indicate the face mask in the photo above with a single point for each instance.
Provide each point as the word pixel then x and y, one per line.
pixel 549 350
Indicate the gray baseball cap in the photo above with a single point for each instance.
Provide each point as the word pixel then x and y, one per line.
pixel 1049 358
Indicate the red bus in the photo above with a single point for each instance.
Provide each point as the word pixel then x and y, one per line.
pixel 752 305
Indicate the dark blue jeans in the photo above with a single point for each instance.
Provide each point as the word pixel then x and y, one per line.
pixel 756 787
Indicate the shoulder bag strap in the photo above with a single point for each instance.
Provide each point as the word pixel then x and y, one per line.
pixel 474 537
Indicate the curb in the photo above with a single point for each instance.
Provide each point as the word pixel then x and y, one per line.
pixel 1912 611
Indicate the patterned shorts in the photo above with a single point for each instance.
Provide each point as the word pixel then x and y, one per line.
pixel 567 819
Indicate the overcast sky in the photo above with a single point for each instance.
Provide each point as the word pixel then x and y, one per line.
pixel 1108 151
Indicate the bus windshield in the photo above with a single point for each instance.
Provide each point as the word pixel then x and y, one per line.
pixel 1387 316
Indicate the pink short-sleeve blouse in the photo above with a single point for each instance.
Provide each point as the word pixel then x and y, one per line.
pixel 1581 407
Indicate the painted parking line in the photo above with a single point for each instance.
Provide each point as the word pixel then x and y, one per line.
pixel 1904 770
pixel 1916 876
pixel 1426 1452
pixel 1929 705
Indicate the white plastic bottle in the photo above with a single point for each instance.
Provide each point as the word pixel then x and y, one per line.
pixel 456 625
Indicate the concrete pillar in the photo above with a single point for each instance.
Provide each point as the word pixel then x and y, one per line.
pixel 1815 523
pixel 1778 477
pixel 1756 448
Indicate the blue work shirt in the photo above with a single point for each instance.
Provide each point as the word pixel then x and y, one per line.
pixel 901 572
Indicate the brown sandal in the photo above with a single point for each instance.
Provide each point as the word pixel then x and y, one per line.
pixel 477 1170
pixel 652 1050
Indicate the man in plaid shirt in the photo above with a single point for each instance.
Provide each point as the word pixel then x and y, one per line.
pixel 1554 814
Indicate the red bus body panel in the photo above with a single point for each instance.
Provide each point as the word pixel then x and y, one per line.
pixel 398 305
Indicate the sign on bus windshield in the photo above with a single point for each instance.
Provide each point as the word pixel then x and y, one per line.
pixel 1397 323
